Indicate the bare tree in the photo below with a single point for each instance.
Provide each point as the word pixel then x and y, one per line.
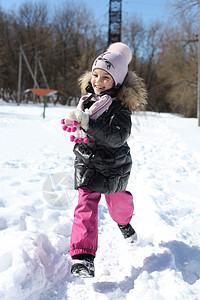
pixel 34 35
pixel 146 43
pixel 187 11
pixel 177 65
pixel 164 56
pixel 65 46
pixel 184 7
pixel 134 34
pixel 76 43
pixel 7 54
pixel 2 50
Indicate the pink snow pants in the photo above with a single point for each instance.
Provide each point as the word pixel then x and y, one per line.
pixel 84 235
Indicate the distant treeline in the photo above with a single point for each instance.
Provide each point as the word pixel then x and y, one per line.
pixel 64 43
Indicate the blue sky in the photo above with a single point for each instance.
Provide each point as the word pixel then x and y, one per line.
pixel 148 10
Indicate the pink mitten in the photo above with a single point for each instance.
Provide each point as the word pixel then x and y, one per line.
pixel 73 126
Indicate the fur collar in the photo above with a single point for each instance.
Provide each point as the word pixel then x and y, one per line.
pixel 132 94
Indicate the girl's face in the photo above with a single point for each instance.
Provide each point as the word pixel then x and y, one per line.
pixel 101 81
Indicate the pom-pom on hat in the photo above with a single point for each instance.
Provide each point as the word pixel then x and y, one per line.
pixel 114 61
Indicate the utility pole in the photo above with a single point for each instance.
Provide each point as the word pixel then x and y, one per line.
pixel 38 62
pixel 21 53
pixel 43 75
pixel 35 74
pixel 29 68
pixel 19 77
pixel 198 94
pixel 115 18
pixel 35 69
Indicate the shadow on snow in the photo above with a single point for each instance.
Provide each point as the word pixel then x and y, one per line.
pixel 177 256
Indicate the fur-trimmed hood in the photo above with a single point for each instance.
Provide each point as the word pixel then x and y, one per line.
pixel 132 94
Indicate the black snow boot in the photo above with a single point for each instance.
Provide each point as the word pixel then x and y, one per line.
pixel 83 265
pixel 128 232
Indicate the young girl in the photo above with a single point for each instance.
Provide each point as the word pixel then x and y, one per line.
pixel 103 160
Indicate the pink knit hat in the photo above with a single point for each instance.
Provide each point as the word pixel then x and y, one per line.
pixel 114 61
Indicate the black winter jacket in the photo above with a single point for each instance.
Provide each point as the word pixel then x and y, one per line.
pixel 104 164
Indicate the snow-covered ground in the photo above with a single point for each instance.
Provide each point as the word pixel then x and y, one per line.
pixel 34 236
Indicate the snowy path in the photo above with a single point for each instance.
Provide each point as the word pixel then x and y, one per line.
pixel 34 259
